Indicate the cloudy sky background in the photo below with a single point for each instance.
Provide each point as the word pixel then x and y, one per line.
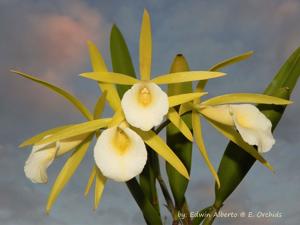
pixel 47 39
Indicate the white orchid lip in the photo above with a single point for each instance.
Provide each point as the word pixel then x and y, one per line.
pixel 145 104
pixel 120 153
pixel 38 162
pixel 42 156
pixel 254 127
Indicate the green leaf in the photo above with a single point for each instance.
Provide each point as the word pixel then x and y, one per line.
pixel 120 57
pixel 245 98
pixel 77 103
pixel 75 130
pixel 179 143
pixel 67 172
pixel 150 214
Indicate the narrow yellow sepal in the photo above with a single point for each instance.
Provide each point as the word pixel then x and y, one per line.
pixel 185 107
pixel 76 102
pixel 99 187
pixel 117 118
pixel 227 62
pixel 175 118
pixel 245 98
pixel 110 77
pixel 98 65
pixel 183 98
pixel 75 130
pixel 67 172
pixel 231 60
pixel 145 47
pixel 158 145
pixel 41 135
pixel 186 77
pixel 90 181
pixel 230 133
pixel 197 130
pixel 99 107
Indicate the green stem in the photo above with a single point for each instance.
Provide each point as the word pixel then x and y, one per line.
pixel 150 214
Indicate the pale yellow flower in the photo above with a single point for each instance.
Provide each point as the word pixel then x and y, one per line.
pixel 253 126
pixel 43 155
pixel 120 153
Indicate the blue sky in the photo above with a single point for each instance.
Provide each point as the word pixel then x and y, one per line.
pixel 47 39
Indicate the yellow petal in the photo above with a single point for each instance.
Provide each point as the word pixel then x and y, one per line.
pixel 99 107
pixel 99 187
pixel 186 77
pixel 246 98
pixel 158 145
pixel 174 117
pixel 219 113
pixel 110 77
pixel 67 172
pixel 76 130
pixel 227 62
pixel 117 118
pixel 179 99
pixel 90 181
pixel 78 104
pixel 145 47
pixel 230 61
pixel 185 107
pixel 41 135
pixel 98 65
pixel 230 133
pixel 197 130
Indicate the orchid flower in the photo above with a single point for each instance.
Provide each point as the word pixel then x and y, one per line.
pixel 43 155
pixel 253 126
pixel 120 153
pixel 145 104
pixel 231 112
